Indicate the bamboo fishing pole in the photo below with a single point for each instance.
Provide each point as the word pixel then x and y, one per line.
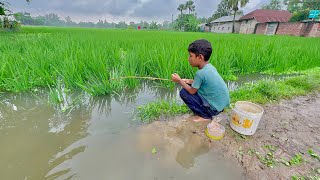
pixel 139 77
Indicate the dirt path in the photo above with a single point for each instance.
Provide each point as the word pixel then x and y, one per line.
pixel 287 128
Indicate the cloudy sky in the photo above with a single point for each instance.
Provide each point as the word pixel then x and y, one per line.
pixel 119 10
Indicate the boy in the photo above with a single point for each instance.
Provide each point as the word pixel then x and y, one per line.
pixel 208 95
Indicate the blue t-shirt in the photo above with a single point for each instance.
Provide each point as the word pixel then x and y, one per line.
pixel 211 87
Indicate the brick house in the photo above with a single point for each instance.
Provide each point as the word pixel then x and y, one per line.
pixel 268 18
pixel 308 28
pixel 224 24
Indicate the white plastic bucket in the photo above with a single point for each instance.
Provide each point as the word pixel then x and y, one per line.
pixel 245 117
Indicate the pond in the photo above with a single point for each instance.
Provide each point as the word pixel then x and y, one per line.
pixel 96 138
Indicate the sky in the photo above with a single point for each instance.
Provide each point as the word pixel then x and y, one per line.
pixel 120 10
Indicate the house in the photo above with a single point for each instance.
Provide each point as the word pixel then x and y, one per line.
pixel 307 28
pixel 269 19
pixel 224 24
pixel 204 27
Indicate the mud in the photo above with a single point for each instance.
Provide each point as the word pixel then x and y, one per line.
pixel 287 128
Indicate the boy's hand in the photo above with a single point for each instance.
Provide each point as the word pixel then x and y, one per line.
pixel 175 77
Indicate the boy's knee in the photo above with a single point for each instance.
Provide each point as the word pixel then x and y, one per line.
pixel 183 93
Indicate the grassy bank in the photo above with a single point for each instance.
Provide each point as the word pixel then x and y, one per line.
pixel 88 58
pixel 261 92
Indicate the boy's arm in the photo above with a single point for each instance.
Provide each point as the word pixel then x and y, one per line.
pixel 176 78
pixel 188 81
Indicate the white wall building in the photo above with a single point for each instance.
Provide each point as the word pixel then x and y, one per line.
pixel 224 24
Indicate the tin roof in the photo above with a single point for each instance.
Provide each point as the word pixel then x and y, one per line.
pixel 226 19
pixel 266 15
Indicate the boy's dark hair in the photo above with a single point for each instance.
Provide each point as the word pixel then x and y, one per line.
pixel 201 46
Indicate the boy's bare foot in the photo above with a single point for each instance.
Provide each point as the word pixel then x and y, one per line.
pixel 200 119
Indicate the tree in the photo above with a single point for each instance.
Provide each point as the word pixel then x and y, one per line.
pixel 299 16
pixel 166 25
pixel 300 5
pixel 52 19
pixel 311 4
pixel 3 8
pixel 144 24
pixel 301 8
pixel 190 6
pixel 186 22
pixel 181 8
pixel 235 5
pixel 4 12
pixel 153 25
pixel 24 18
pixel 122 24
pixel 274 5
pixel 222 10
pixel 293 5
pixel 202 20
pixel 39 20
pixel 69 21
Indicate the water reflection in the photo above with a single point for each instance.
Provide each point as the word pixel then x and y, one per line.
pixel 42 140
pixel 34 133
pixel 193 147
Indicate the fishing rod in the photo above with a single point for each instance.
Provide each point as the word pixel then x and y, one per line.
pixel 139 77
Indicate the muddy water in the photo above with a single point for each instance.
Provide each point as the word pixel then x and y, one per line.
pixel 99 138
pixel 253 78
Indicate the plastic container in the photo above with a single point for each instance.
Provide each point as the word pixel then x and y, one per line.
pixel 215 131
pixel 245 117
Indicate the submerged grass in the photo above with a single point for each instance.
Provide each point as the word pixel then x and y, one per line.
pixel 261 92
pixel 153 111
pixel 89 58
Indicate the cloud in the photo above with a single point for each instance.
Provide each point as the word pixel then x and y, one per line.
pixel 115 10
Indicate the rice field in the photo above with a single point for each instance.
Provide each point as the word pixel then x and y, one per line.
pixel 93 59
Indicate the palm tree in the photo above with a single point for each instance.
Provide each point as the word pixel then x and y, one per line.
pixel 234 5
pixel 181 8
pixel 190 6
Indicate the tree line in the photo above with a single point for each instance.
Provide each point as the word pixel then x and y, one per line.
pixel 187 19
pixel 53 19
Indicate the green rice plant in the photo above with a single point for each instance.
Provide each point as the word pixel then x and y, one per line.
pixel 152 111
pixel 55 96
pixel 37 56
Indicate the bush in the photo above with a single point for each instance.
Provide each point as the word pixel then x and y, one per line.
pixel 10 25
pixel 187 22
pixel 15 25
pixel 299 16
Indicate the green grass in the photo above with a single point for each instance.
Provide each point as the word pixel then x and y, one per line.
pixel 313 154
pixel 269 90
pixel 261 92
pixel 88 58
pixel 153 111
